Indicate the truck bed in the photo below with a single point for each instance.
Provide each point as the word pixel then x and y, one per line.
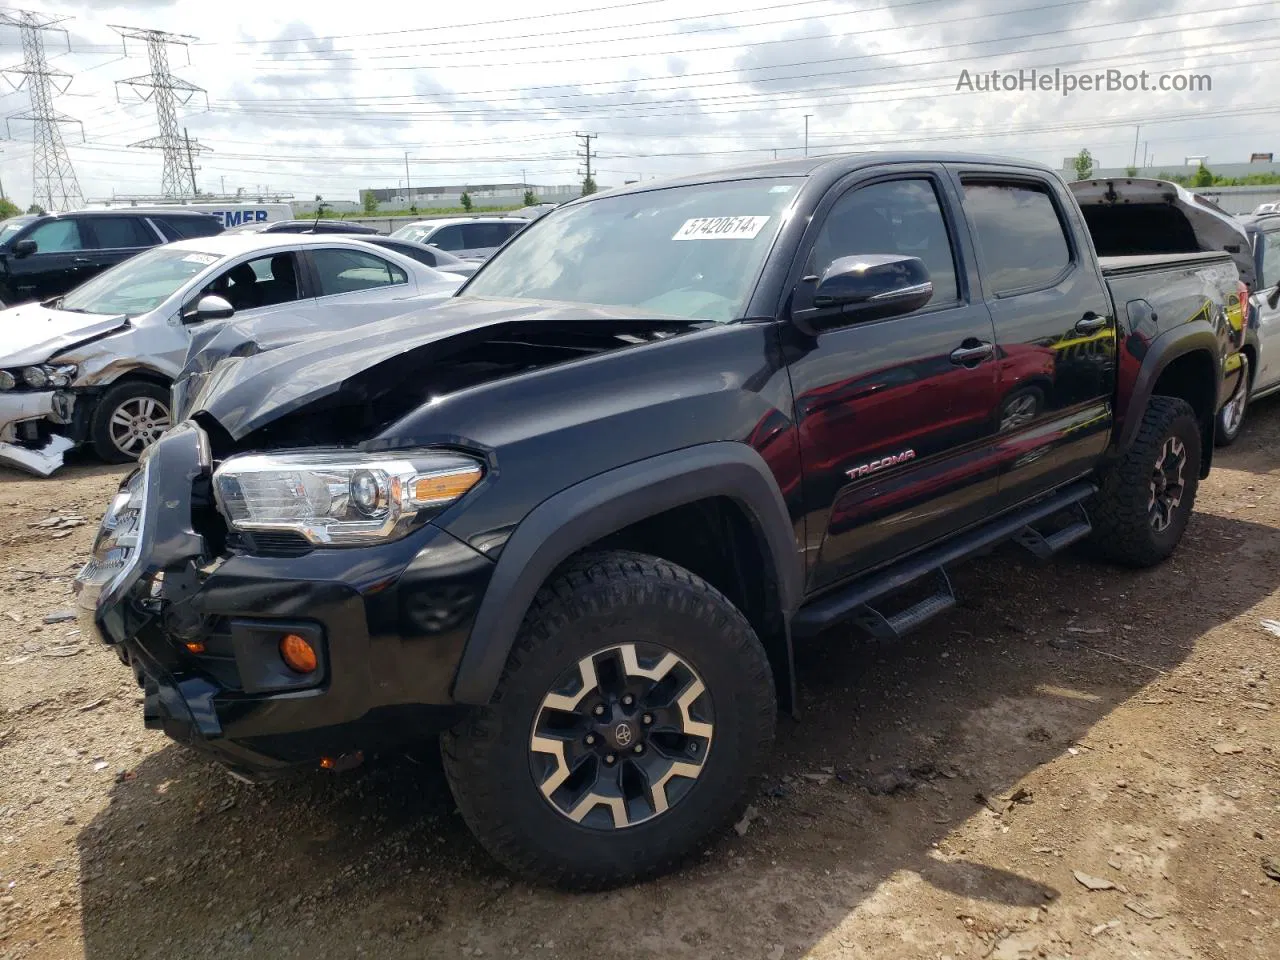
pixel 1150 262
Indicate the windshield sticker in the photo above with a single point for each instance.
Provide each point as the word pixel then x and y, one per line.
pixel 205 258
pixel 721 228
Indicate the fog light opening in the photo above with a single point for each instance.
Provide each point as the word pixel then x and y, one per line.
pixel 298 654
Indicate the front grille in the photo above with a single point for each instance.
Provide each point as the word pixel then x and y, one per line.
pixel 275 544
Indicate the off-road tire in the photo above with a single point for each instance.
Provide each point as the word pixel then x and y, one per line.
pixel 1122 527
pixel 108 403
pixel 591 603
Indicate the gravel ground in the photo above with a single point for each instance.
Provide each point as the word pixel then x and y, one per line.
pixel 1079 762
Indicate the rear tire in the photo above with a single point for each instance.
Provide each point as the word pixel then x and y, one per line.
pixel 129 418
pixel 1146 499
pixel 547 778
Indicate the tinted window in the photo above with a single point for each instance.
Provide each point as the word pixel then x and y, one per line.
pixel 415 251
pixel 449 238
pixel 901 216
pixel 263 282
pixel 56 236
pixel 346 271
pixel 1018 231
pixel 181 228
pixel 111 233
pixel 486 234
pixel 1270 260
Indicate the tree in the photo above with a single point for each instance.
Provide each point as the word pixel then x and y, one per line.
pixel 465 200
pixel 588 186
pixel 1084 164
pixel 1130 171
pixel 35 208
pixel 370 202
pixel 1203 177
pixel 530 199
pixel 8 209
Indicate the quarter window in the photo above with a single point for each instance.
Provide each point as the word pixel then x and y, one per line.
pixel 1024 246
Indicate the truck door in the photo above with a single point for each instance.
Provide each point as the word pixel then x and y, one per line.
pixel 895 416
pixel 1054 329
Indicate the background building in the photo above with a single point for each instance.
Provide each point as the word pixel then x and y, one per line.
pixel 482 195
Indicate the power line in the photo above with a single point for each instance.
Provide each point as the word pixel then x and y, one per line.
pixel 167 92
pixel 54 178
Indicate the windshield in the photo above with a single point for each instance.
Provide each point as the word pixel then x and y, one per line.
pixel 140 284
pixel 11 226
pixel 412 233
pixel 690 251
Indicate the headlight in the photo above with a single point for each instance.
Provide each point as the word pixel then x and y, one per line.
pixel 44 375
pixel 341 499
pixel 117 540
pixel 7 380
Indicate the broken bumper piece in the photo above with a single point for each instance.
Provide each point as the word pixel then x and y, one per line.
pixel 42 461
pixel 22 407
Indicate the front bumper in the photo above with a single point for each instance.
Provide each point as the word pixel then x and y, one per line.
pixel 201 632
pixel 22 407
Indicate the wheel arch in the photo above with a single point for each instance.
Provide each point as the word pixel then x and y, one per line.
pixel 1182 363
pixel 724 483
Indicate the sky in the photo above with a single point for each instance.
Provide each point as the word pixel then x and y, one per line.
pixel 326 98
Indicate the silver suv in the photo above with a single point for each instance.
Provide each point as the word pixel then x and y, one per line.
pixel 471 238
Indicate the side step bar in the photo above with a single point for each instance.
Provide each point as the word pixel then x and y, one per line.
pixel 853 601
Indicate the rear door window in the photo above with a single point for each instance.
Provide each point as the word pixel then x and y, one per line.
pixel 1019 233
pixel 119 233
pixel 347 271
pixel 481 235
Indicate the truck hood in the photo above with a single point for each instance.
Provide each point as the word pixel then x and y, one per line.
pixel 33 333
pixel 1133 217
pixel 256 385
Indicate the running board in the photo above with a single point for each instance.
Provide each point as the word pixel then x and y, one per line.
pixel 884 627
pixel 1045 545
pixel 848 602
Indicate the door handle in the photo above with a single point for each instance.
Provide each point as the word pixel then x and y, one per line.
pixel 1090 323
pixel 80 260
pixel 972 354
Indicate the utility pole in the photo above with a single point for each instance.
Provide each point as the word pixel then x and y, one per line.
pixel 408 190
pixel 806 133
pixel 224 185
pixel 1137 129
pixel 588 182
pixel 168 92
pixel 56 186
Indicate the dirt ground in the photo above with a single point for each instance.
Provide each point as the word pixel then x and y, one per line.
pixel 961 794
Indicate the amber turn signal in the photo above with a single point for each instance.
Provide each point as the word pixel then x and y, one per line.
pixel 194 646
pixel 441 488
pixel 298 654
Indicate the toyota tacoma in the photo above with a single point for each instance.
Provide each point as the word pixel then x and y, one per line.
pixel 576 518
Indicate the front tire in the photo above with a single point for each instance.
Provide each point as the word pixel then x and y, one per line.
pixel 635 707
pixel 129 418
pixel 1146 499
pixel 1231 416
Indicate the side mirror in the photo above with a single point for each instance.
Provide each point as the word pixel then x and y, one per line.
pixel 25 248
pixel 870 286
pixel 210 307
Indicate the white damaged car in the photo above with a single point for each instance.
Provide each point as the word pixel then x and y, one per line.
pixel 96 365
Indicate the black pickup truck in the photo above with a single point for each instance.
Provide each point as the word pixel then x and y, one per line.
pixel 576 519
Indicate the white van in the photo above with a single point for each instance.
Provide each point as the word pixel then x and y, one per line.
pixel 232 213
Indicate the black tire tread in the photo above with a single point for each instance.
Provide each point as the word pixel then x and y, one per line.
pixel 463 748
pixel 1121 527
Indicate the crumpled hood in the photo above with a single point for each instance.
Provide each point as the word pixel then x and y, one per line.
pixel 33 333
pixel 245 392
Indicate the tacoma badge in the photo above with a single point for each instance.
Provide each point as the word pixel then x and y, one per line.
pixel 875 466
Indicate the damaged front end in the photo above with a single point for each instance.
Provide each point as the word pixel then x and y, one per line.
pixel 35 409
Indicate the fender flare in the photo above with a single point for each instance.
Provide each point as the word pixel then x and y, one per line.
pixel 1196 336
pixel 587 511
